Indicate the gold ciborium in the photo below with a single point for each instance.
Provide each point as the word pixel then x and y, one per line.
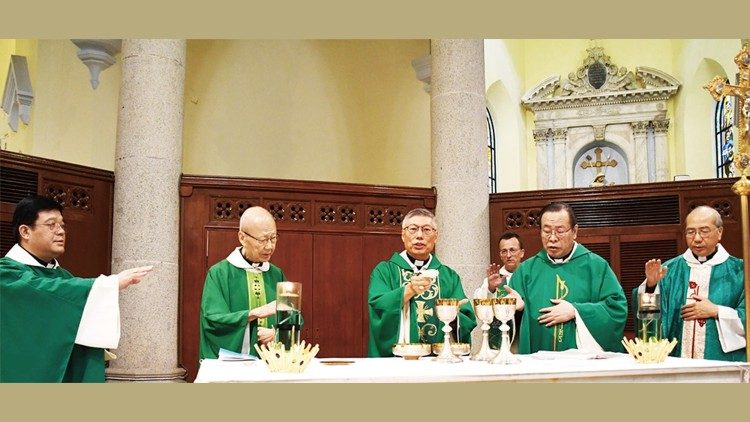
pixel 504 309
pixel 485 314
pixel 447 311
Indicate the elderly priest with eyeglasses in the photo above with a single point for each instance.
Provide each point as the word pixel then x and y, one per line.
pixel 238 306
pixel 403 291
pixel 702 293
pixel 54 326
pixel 570 295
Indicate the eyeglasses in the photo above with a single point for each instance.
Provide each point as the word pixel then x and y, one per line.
pixel 508 252
pixel 271 239
pixel 702 232
pixel 426 230
pixel 559 232
pixel 53 227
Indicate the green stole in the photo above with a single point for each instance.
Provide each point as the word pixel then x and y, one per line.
pixel 256 291
pixel 422 309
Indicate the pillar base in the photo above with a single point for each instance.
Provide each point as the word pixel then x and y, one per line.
pixel 178 375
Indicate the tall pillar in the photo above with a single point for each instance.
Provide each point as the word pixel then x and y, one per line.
pixel 459 158
pixel 148 163
pixel 661 126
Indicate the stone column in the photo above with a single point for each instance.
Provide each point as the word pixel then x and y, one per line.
pixel 146 207
pixel 563 174
pixel 643 160
pixel 459 158
pixel 661 126
pixel 540 141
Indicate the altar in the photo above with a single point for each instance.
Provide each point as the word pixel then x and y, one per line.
pixel 538 367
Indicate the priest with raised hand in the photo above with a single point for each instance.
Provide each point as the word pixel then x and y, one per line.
pixel 238 306
pixel 54 327
pixel 403 290
pixel 702 293
pixel 570 295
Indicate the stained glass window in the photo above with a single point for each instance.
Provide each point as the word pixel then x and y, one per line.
pixel 724 121
pixel 492 165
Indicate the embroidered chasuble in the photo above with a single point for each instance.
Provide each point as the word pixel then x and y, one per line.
pixel 231 289
pixel 721 280
pixel 40 312
pixel 385 299
pixel 587 282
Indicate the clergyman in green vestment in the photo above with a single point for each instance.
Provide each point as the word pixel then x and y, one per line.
pixel 238 306
pixel 702 293
pixel 570 295
pixel 54 326
pixel 403 290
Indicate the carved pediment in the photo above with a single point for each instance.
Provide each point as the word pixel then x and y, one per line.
pixel 600 81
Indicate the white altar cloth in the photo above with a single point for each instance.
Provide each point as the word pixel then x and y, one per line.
pixel 542 367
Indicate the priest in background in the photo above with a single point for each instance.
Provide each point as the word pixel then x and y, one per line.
pixel 511 253
pixel 403 290
pixel 702 293
pixel 54 326
pixel 238 306
pixel 570 295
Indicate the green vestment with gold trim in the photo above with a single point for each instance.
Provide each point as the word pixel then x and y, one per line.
pixel 587 282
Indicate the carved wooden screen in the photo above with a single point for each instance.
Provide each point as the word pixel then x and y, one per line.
pixel 86 195
pixel 331 236
pixel 627 224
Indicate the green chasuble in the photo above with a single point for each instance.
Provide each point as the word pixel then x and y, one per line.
pixel 587 282
pixel 40 310
pixel 225 306
pixel 385 299
pixel 725 288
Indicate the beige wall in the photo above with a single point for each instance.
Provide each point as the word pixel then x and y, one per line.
pixel 342 110
pixel 349 111
pixel 70 121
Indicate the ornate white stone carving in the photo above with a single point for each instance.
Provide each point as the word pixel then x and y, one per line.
pixel 614 105
pixel 18 96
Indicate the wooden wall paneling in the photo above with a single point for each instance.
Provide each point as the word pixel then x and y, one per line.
pixel 338 295
pixel 86 194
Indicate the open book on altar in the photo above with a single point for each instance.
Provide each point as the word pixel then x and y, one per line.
pixel 229 355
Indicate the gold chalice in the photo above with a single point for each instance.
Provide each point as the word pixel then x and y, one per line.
pixel 504 309
pixel 447 311
pixel 485 314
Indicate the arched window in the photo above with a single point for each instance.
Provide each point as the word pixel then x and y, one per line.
pixel 492 182
pixel 724 121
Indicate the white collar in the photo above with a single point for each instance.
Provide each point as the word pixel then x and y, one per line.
pixel 235 258
pixel 505 272
pixel 21 255
pixel 720 256
pixel 414 267
pixel 563 261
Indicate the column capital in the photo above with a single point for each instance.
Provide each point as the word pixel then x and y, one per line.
pixel 639 128
pixel 560 134
pixel 661 125
pixel 540 135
